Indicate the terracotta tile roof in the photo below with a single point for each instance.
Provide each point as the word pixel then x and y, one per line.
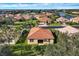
pixel 68 29
pixel 26 16
pixel 45 19
pixel 76 19
pixel 40 33
pixel 61 19
pixel 18 16
pixel 11 15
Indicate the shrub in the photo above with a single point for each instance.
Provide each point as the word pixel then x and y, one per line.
pixel 66 45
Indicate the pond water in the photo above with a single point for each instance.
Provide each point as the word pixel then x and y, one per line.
pixel 63 14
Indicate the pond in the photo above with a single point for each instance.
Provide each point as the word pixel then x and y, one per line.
pixel 66 15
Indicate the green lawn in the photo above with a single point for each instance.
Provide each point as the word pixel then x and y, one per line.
pixel 25 22
pixel 55 24
pixel 19 23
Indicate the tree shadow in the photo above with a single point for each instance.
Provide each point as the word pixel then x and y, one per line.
pixel 55 38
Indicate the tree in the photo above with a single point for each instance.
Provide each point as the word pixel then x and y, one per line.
pixel 66 45
pixel 23 36
pixel 8 21
pixel 8 35
pixel 53 17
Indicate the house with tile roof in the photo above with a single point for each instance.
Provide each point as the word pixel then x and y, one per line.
pixel 62 20
pixel 43 20
pixel 40 36
pixel 26 16
pixel 68 29
pixel 76 19
pixel 17 17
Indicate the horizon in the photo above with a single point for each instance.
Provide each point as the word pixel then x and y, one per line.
pixel 38 6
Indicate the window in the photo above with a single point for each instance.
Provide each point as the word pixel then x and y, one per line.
pixel 48 40
pixel 45 40
pixel 31 40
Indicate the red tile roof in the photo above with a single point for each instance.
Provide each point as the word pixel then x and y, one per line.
pixel 45 19
pixel 18 16
pixel 26 16
pixel 68 29
pixel 76 19
pixel 62 19
pixel 40 33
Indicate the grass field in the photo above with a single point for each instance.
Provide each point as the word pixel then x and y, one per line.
pixel 55 24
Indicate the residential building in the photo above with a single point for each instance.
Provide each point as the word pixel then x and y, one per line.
pixel 76 19
pixel 62 20
pixel 40 36
pixel 26 17
pixel 17 17
pixel 44 20
pixel 68 29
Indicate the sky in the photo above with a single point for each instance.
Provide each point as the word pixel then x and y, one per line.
pixel 39 5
